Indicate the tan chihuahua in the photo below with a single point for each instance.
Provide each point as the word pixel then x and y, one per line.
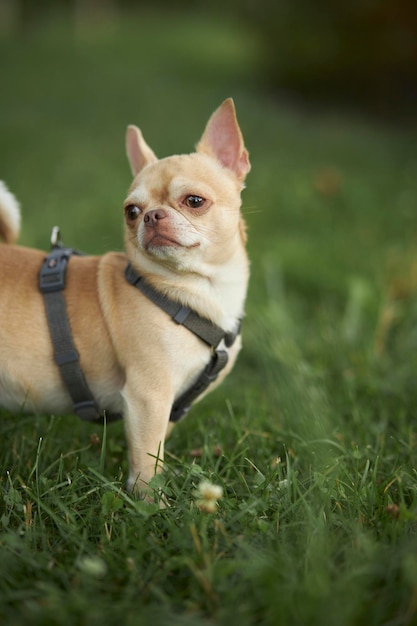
pixel 185 240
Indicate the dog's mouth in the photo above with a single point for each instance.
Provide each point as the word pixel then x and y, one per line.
pixel 162 241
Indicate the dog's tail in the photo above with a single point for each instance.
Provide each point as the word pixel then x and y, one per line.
pixel 9 215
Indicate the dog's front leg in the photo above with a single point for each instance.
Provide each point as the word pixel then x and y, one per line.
pixel 146 420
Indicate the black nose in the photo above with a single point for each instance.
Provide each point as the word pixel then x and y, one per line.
pixel 152 217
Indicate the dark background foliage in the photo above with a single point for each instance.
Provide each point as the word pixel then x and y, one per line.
pixel 361 53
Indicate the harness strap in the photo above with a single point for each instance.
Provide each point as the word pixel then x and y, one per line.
pixel 183 404
pixel 203 328
pixel 209 332
pixel 51 284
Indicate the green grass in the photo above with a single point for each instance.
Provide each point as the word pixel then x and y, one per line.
pixel 312 437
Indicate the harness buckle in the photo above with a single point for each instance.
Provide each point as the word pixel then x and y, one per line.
pixel 52 274
pixel 87 410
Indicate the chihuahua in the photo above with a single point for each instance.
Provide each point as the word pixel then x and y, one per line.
pixel 185 241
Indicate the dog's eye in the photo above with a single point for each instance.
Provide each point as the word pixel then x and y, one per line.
pixel 132 212
pixel 194 202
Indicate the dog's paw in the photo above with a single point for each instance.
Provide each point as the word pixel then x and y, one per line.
pixel 139 489
pixel 146 492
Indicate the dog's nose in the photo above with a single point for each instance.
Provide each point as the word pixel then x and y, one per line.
pixel 152 217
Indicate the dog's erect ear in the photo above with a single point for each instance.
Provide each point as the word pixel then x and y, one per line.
pixel 138 151
pixel 223 139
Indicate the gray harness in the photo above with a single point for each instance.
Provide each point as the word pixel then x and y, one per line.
pixel 52 284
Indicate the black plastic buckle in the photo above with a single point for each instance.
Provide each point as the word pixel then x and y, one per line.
pixel 52 274
pixel 87 411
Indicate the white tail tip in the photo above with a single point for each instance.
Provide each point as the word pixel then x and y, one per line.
pixel 9 215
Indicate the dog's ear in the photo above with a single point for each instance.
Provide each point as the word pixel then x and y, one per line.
pixel 223 139
pixel 139 153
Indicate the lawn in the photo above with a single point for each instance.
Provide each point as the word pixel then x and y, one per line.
pixel 313 436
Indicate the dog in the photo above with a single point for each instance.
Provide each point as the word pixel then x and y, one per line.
pixel 185 239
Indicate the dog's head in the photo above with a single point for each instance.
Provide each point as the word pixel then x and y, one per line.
pixel 183 212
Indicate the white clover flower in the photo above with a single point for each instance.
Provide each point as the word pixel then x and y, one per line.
pixel 207 506
pixel 92 566
pixel 208 491
pixel 207 496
